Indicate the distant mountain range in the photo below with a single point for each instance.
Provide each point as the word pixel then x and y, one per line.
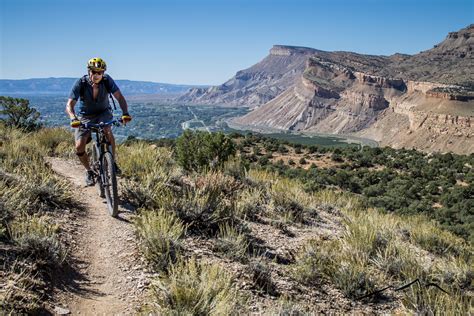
pixel 62 86
pixel 425 101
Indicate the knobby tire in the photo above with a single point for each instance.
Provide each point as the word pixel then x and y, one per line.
pixel 110 183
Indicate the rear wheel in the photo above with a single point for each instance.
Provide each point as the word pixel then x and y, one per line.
pixel 96 168
pixel 110 183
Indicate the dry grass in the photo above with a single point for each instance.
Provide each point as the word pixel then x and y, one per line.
pixel 159 233
pixel 376 249
pixel 371 250
pixel 30 197
pixel 251 203
pixel 194 288
pixel 20 288
pixel 232 242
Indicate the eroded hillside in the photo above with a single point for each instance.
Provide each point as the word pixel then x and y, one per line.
pixel 374 97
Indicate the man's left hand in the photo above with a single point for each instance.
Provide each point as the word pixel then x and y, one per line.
pixel 126 118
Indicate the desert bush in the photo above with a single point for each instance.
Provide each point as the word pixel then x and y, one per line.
pixel 235 167
pixel 206 204
pixel 194 288
pixel 56 141
pixel 353 279
pixel 30 193
pixel 289 201
pixel 151 191
pixel 330 260
pixel 262 277
pixel 250 203
pixel 261 178
pixel 431 301
pixel 37 240
pixel 34 193
pixel 312 262
pixel 20 288
pixel 367 233
pixel 159 233
pixel 150 174
pixel 232 242
pixel 455 272
pixel 398 262
pixel 138 160
pixel 285 306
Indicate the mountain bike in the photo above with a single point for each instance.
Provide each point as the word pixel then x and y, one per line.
pixel 103 165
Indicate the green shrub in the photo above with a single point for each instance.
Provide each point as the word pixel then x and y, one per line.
pixel 196 151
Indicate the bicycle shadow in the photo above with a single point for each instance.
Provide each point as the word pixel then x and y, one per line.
pixel 126 209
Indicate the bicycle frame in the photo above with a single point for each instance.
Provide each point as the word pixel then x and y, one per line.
pixel 101 143
pixel 102 152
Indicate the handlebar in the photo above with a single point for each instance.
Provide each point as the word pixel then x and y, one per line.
pixel 102 124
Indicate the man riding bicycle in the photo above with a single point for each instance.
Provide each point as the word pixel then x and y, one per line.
pixel 93 90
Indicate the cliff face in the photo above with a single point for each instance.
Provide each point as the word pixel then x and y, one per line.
pixel 333 98
pixel 258 84
pixel 424 101
pixel 400 101
pixel 328 98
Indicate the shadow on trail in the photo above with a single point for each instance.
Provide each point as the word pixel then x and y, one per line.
pixel 70 279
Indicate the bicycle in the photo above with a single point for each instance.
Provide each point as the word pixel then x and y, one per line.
pixel 103 165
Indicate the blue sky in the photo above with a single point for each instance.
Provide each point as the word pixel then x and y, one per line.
pixel 207 41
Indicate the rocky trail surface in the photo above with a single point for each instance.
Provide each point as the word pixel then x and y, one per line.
pixel 105 275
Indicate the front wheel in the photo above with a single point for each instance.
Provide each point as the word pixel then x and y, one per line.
pixel 110 183
pixel 96 168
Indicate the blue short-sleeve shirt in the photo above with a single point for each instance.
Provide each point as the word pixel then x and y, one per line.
pixel 88 106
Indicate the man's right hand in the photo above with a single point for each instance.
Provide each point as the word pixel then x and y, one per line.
pixel 75 123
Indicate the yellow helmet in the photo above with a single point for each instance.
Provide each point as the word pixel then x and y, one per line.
pixel 96 64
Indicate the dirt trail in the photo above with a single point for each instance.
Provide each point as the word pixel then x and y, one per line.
pixel 107 277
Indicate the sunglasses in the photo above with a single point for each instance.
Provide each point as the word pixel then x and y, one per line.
pixel 97 72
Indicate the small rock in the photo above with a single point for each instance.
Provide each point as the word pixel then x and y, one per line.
pixel 61 311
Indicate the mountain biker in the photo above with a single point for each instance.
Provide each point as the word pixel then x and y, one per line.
pixel 93 89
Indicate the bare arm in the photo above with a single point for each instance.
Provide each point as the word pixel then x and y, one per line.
pixel 70 108
pixel 121 100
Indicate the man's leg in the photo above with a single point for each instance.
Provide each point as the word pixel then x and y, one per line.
pixel 81 152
